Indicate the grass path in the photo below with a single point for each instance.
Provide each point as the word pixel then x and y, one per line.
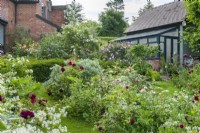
pixel 166 85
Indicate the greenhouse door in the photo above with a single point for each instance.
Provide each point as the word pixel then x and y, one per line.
pixel 171 51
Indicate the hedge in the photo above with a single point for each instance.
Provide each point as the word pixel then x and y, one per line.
pixel 41 68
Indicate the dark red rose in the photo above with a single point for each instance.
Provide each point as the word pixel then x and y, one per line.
pixel 100 128
pixel 181 126
pixel 73 65
pixel 49 93
pixel 70 63
pixel 27 114
pixel 196 98
pixel 132 121
pixel 32 96
pixel 61 90
pixel 62 69
pixel 33 101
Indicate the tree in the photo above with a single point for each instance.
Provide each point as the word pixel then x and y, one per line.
pixel 146 7
pixel 73 13
pixel 192 31
pixel 116 4
pixel 113 23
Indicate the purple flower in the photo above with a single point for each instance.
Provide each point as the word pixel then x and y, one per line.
pixel 81 67
pixel 27 114
pixel 117 81
pixel 1 52
pixel 127 87
pixel 73 65
pixel 132 121
pixel 185 56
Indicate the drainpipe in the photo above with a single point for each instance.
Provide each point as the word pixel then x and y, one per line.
pixel 15 14
pixel 181 44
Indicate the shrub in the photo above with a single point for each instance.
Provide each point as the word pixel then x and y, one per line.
pixel 41 68
pixel 15 65
pixel 20 41
pixel 50 48
pixel 91 68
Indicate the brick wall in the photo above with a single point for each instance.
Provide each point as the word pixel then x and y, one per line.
pixel 28 20
pixel 7 12
pixel 57 15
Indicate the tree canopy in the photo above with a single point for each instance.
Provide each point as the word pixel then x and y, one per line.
pixel 192 31
pixel 116 4
pixel 73 13
pixel 146 7
pixel 113 23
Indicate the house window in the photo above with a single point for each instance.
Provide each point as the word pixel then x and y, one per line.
pixel 1 35
pixel 44 11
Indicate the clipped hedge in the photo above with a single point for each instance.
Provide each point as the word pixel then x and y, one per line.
pixel 41 68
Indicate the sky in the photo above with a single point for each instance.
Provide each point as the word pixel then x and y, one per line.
pixel 92 8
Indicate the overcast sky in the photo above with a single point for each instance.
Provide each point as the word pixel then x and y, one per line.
pixel 92 8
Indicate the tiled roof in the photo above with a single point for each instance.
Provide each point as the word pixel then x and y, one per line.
pixel 170 13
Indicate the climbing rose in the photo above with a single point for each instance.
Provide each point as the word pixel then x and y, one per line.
pixel 27 114
pixel 181 126
pixel 1 98
pixel 32 96
pixel 132 121
pixel 62 69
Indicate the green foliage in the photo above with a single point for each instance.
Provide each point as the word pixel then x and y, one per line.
pixel 73 13
pixel 192 31
pixel 105 40
pixel 116 4
pixel 141 51
pixel 79 41
pixel 91 68
pixel 20 41
pixel 113 23
pixel 18 66
pixel 50 48
pixel 41 68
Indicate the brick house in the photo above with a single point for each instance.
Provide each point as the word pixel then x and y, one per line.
pixel 38 16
